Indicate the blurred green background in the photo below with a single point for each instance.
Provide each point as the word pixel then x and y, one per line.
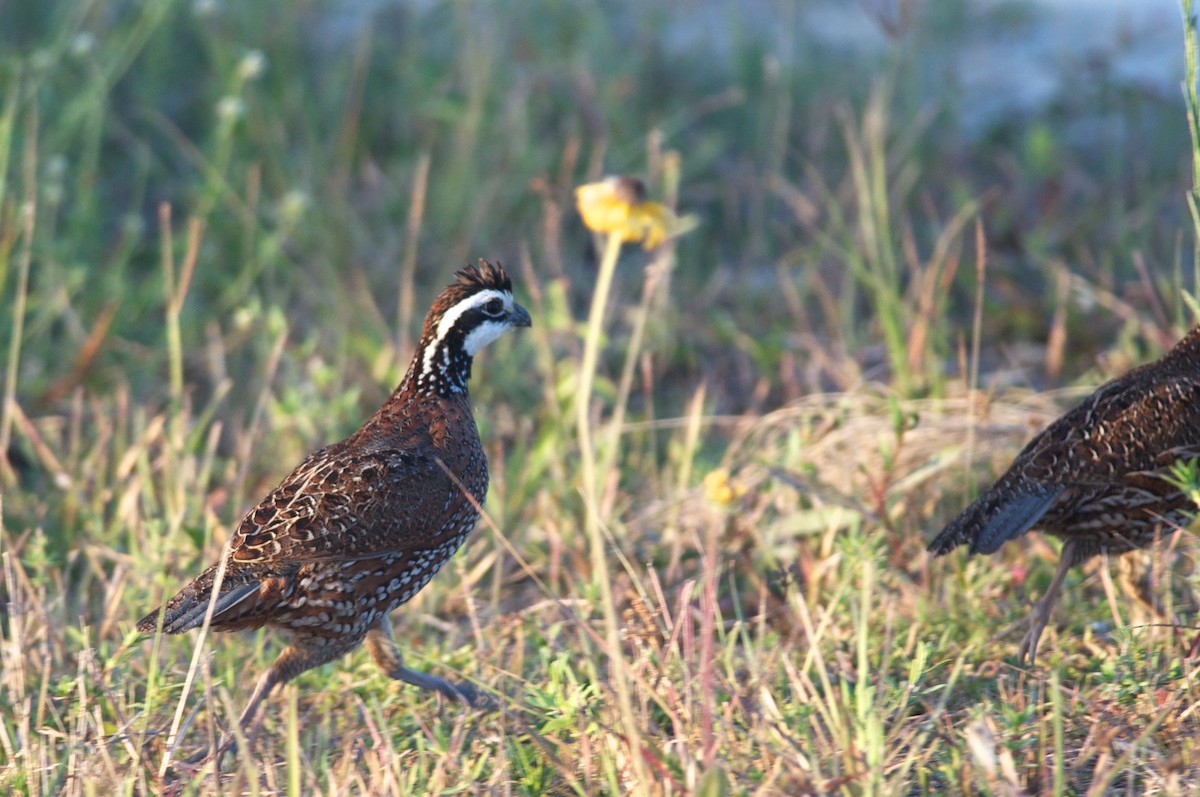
pixel 829 148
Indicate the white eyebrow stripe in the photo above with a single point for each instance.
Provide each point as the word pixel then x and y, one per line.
pixel 454 313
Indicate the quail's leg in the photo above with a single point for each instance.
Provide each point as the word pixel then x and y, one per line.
pixel 292 660
pixel 382 645
pixel 1041 614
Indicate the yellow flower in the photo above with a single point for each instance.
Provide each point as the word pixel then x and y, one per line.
pixel 619 205
pixel 721 489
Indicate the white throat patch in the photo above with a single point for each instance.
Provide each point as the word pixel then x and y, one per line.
pixel 482 335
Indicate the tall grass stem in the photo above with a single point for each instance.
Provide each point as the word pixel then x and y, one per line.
pixel 590 492
pixel 20 299
pixel 1191 99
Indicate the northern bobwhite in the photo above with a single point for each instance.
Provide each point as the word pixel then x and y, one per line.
pixel 1095 477
pixel 359 527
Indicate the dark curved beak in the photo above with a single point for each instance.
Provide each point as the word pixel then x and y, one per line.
pixel 520 317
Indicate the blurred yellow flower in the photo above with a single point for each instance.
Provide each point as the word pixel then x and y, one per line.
pixel 619 205
pixel 720 489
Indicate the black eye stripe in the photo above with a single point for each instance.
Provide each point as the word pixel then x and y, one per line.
pixel 494 306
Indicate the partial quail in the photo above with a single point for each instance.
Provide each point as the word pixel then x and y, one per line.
pixel 359 527
pixel 1095 477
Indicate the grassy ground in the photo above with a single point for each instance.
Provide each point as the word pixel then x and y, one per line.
pixel 220 224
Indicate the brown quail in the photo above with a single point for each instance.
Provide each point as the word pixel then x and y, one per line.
pixel 359 527
pixel 1095 477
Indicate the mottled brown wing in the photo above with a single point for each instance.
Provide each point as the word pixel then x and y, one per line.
pixel 353 505
pixel 1128 427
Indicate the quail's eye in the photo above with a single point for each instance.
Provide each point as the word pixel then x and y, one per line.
pixel 494 306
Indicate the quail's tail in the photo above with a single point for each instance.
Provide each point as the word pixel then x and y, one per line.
pixel 1003 513
pixel 186 610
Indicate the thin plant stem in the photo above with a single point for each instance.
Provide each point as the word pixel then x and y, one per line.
pixel 1191 98
pixel 28 225
pixel 194 668
pixel 28 214
pixel 408 261
pixel 654 277
pixel 976 338
pixel 174 339
pixel 1056 718
pixel 592 524
pixel 294 765
pixel 587 369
